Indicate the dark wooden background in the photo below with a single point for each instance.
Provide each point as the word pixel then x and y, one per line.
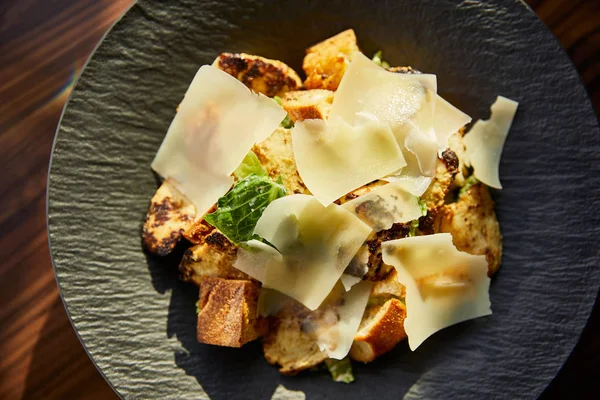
pixel 43 45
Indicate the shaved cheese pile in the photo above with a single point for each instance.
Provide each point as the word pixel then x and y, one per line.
pixel 405 102
pixel 420 120
pixel 218 122
pixel 444 286
pixel 385 205
pixel 334 158
pixel 485 141
pixel 315 245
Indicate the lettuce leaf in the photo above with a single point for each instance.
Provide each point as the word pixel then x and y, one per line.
pixel 250 165
pixel 340 370
pixel 239 210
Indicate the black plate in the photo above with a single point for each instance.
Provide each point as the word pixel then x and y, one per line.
pixel 137 320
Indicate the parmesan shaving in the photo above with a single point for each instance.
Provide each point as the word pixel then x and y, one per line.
pixel 444 286
pixel 218 122
pixel 385 205
pixel 485 141
pixel 315 245
pixel 334 158
pixel 448 120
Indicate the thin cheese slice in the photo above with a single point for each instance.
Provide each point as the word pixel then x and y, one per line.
pixel 315 245
pixel 405 102
pixel 334 158
pixel 333 324
pixel 415 185
pixel 349 280
pixel 339 322
pixel 385 205
pixel 444 286
pixel 218 122
pixel 485 141
pixel 448 120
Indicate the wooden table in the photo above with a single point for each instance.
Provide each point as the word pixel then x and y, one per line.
pixel 43 45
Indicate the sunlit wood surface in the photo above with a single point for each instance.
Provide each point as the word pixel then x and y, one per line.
pixel 43 45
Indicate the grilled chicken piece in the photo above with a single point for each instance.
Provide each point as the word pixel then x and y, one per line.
pixel 228 312
pixel 269 77
pixel 455 142
pixel 326 62
pixel 473 224
pixel 214 257
pixel 308 104
pixel 445 170
pixel 169 215
pixel 276 155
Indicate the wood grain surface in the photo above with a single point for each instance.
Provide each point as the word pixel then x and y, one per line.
pixel 43 45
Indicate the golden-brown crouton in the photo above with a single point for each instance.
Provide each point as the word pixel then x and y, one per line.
pixel 276 155
pixel 269 77
pixel 326 62
pixel 169 215
pixel 228 312
pixel 288 345
pixel 380 330
pixel 445 170
pixel 214 257
pixel 388 287
pixel 308 104
pixel 473 224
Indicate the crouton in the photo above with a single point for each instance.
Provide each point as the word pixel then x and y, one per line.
pixel 388 287
pixel 214 258
pixel 380 330
pixel 269 77
pixel 288 345
pixel 197 233
pixel 228 312
pixel 473 224
pixel 308 104
pixel 326 62
pixel 276 155
pixel 446 169
pixel 169 215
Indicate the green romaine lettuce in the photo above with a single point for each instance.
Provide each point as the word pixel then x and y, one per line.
pixel 239 210
pixel 250 165
pixel 340 370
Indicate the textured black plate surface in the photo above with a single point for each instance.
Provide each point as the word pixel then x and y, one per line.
pixel 138 321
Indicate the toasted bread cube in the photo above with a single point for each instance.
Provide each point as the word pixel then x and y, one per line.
pixel 388 287
pixel 214 258
pixel 228 312
pixel 380 330
pixel 169 215
pixel 269 77
pixel 288 345
pixel 308 104
pixel 276 155
pixel 473 224
pixel 325 63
